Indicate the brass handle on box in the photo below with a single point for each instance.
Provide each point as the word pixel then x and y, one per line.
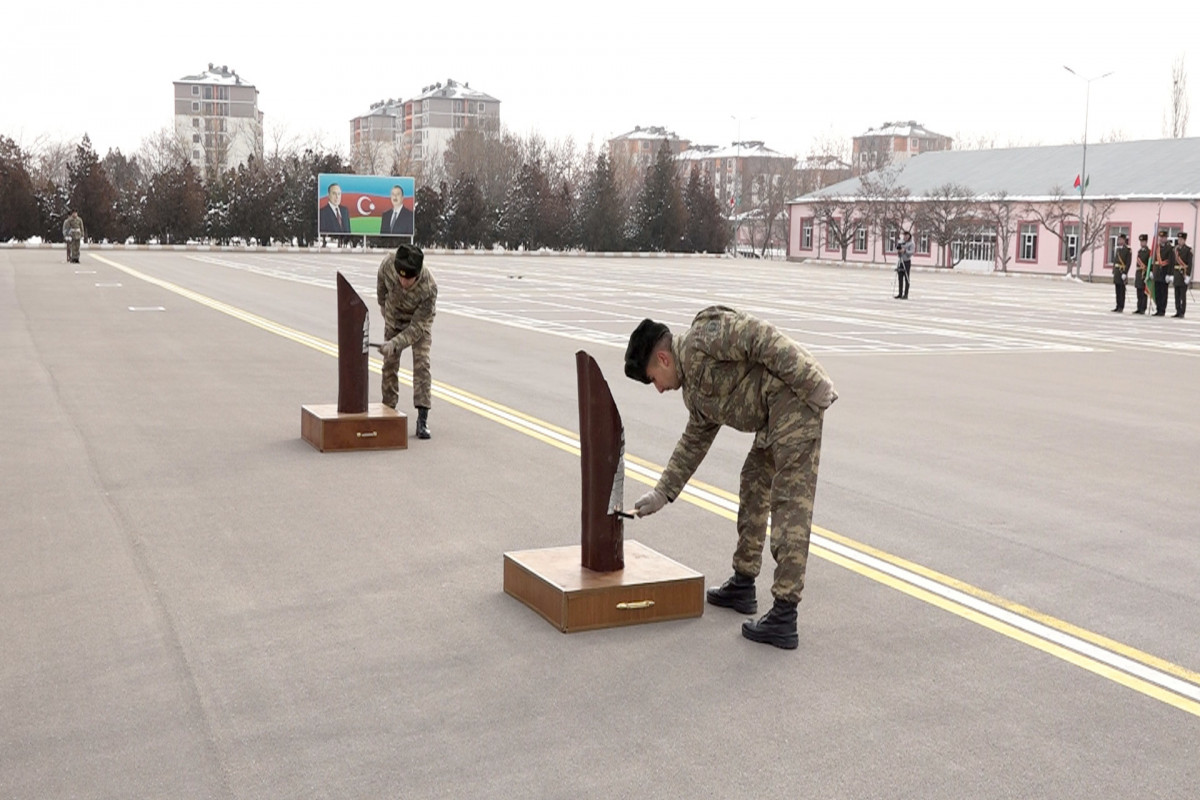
pixel 367 435
pixel 636 604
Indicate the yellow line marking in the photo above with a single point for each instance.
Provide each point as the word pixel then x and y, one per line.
pixel 568 441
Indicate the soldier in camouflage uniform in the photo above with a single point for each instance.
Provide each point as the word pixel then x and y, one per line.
pixel 72 230
pixel 407 296
pixel 740 371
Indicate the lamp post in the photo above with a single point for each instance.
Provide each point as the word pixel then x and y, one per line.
pixel 736 195
pixel 1083 176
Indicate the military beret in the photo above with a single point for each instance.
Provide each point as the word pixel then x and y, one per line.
pixel 641 345
pixel 409 259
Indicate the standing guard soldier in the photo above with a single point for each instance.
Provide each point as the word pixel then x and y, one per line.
pixel 1183 273
pixel 1164 260
pixel 1139 276
pixel 1122 258
pixel 740 371
pixel 407 296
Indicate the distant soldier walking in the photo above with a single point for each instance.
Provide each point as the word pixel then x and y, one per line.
pixel 73 233
pixel 740 371
pixel 905 251
pixel 407 295
pixel 1122 258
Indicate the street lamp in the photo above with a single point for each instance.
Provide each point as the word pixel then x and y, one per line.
pixel 1083 176
pixel 736 192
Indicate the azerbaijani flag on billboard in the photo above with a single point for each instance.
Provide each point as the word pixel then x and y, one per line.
pixel 364 205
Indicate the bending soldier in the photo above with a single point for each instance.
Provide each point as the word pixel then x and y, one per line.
pixel 407 295
pixel 736 370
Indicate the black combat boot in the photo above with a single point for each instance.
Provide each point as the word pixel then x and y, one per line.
pixel 736 593
pixel 422 423
pixel 777 626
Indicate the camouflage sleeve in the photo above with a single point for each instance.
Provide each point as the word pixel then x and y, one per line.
pixel 381 289
pixel 421 324
pixel 741 337
pixel 693 446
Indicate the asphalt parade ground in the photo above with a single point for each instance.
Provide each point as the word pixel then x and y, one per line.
pixel 1003 598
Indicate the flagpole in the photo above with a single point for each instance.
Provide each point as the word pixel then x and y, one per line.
pixel 1083 176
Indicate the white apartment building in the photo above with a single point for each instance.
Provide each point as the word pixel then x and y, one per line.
pixel 217 116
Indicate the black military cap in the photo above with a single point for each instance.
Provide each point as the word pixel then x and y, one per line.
pixel 409 259
pixel 1142 237
pixel 1181 235
pixel 641 345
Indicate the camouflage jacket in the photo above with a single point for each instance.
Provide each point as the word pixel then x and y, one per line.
pixel 733 368
pixel 408 311
pixel 72 228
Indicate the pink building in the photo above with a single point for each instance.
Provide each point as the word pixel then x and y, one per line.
pixel 1015 209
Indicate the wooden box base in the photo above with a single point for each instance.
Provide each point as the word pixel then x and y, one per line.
pixel 651 588
pixel 381 428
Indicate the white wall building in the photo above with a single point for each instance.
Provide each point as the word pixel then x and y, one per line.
pixel 217 116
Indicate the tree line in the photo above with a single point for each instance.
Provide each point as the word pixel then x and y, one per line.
pixel 490 188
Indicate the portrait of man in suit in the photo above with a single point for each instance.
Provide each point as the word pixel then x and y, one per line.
pixel 397 220
pixel 334 217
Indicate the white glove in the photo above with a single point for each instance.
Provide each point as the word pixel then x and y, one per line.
pixel 650 502
pixel 389 347
pixel 822 396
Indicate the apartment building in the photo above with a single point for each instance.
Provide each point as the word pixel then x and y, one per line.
pixel 217 116
pixel 740 172
pixel 894 142
pixel 639 147
pixel 419 129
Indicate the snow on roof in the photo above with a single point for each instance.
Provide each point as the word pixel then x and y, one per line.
pixel 909 129
pixel 1151 169
pixel 735 150
pixel 221 75
pixel 655 132
pixel 453 89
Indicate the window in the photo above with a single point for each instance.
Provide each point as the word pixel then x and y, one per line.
pixel 195 91
pixel 195 155
pixel 830 244
pixel 208 92
pixel 1114 231
pixel 892 240
pixel 196 138
pixel 481 108
pixel 1070 243
pixel 195 105
pixel 923 244
pixel 806 233
pixel 1028 237
pixel 860 239
pixel 195 122
pixel 913 144
pixel 978 245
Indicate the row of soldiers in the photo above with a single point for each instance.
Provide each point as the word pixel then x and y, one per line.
pixel 1156 267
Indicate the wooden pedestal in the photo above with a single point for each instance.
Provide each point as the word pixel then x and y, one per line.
pixel 381 428
pixel 650 588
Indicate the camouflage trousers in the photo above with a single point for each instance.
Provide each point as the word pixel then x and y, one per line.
pixel 422 378
pixel 72 249
pixel 779 483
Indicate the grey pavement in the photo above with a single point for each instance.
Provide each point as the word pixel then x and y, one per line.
pixel 194 603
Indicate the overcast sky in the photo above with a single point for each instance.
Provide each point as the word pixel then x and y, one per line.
pixel 785 72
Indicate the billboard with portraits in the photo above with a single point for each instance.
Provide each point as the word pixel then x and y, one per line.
pixel 364 205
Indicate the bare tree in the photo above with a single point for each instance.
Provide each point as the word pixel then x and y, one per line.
pixel 1060 217
pixel 1175 121
pixel 884 204
pixel 841 217
pixel 947 213
pixel 1000 214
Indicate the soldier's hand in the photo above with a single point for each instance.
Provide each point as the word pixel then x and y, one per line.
pixel 388 348
pixel 822 396
pixel 650 502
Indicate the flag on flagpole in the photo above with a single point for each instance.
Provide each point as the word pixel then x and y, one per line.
pixel 1085 183
pixel 1076 186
